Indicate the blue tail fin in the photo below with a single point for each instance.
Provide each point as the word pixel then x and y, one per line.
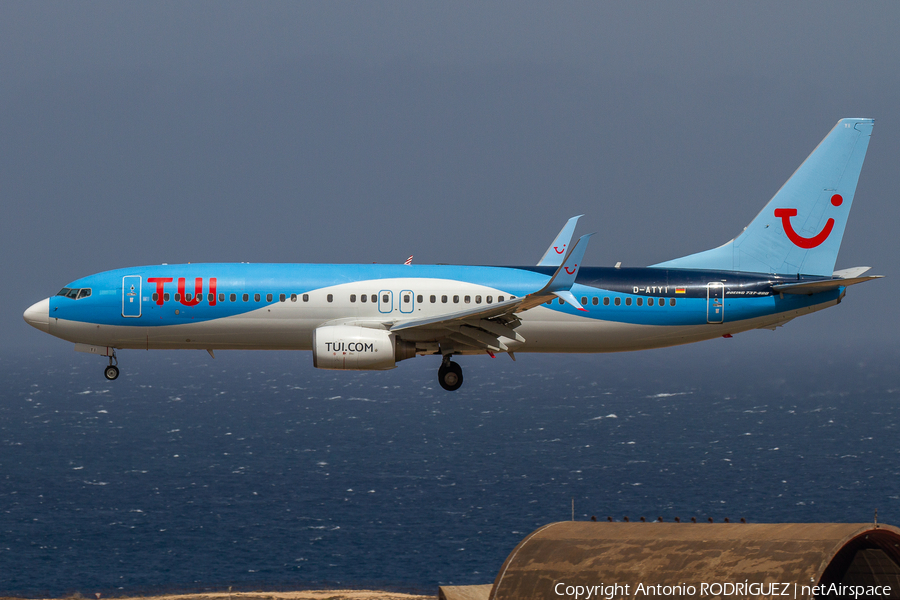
pixel 800 229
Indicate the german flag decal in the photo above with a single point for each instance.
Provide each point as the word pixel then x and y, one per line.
pixel 679 290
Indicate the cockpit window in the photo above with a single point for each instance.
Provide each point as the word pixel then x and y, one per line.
pixel 75 293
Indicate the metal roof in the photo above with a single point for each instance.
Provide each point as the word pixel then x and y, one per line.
pixel 595 553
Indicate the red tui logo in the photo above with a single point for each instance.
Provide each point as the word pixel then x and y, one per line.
pixel 803 242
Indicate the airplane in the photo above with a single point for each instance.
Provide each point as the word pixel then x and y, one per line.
pixel 372 316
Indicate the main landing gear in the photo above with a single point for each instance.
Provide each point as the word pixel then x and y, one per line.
pixel 112 371
pixel 450 375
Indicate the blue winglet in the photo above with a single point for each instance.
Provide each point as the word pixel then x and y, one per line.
pixel 556 253
pixel 564 278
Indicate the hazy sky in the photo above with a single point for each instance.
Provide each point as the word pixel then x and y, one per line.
pixel 463 132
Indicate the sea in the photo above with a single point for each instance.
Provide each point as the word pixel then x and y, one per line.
pixel 254 470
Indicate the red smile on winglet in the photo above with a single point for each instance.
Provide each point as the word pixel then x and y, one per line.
pixel 796 238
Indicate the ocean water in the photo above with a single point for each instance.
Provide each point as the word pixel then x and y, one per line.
pixel 255 470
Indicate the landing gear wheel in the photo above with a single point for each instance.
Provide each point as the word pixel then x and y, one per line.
pixel 450 376
pixel 111 372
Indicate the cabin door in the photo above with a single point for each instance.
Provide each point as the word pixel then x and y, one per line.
pixel 385 301
pixel 131 296
pixel 715 302
pixel 407 301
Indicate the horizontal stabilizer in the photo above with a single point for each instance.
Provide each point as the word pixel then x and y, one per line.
pixel 851 272
pixel 824 285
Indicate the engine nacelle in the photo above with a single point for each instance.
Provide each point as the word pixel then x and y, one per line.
pixel 352 348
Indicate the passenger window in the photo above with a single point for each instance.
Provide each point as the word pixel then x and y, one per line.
pixel 293 297
pixel 330 297
pixel 606 301
pixel 595 301
pixel 649 301
pixel 467 299
pixel 420 299
pixel 177 296
pixel 584 300
pixel 406 298
pixel 374 298
pixel 455 299
pixel 245 297
pixel 433 298
pixel 499 298
pixel 364 298
pixel 256 297
pixel 306 297
pixel 627 301
pixel 221 297
pixel 444 299
pixel 672 302
pixel 155 296
pixel 489 299
pixel 352 297
pixel 268 297
pixel 662 301
pixel 561 301
pixel 166 297
pixel 282 297
pixel 618 301
pixel 640 301
pixel 210 298
pixel 232 297
pixel 477 299
pixel 385 299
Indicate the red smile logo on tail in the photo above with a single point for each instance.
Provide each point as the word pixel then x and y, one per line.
pixel 796 238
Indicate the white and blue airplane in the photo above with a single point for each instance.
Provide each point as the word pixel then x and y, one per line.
pixel 371 316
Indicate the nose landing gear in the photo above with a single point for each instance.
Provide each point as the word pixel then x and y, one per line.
pixel 112 371
pixel 450 375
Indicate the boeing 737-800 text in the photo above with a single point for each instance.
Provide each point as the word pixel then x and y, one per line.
pixel 369 317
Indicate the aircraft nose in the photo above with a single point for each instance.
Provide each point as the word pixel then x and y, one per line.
pixel 38 315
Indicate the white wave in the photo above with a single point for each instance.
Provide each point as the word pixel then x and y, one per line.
pixel 609 416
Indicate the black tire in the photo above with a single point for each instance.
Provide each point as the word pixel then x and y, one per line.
pixel 111 372
pixel 450 376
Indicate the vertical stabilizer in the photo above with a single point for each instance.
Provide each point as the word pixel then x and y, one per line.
pixel 800 229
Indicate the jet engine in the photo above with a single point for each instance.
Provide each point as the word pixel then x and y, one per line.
pixel 351 348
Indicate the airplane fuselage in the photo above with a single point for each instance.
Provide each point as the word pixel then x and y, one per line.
pixel 279 306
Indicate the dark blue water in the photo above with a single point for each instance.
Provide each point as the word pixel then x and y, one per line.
pixel 254 469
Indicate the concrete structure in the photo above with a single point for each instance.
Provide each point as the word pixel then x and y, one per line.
pixel 576 553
